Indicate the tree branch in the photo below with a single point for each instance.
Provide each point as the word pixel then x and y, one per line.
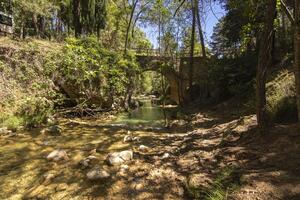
pixel 287 11
pixel 181 4
pixel 144 7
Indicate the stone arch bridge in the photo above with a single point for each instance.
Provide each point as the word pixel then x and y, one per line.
pixel 175 69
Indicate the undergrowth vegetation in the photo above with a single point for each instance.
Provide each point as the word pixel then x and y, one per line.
pixel 90 74
pixel 281 98
pixel 226 182
pixel 79 71
pixel 22 73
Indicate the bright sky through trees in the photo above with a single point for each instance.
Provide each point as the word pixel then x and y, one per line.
pixel 209 20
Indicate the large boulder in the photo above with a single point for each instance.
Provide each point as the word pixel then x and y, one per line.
pixel 97 173
pixel 58 155
pixel 118 158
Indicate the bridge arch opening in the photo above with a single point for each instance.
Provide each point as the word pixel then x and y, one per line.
pixel 175 73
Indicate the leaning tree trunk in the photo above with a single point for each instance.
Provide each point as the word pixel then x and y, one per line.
pixel 129 25
pixel 297 53
pixel 264 61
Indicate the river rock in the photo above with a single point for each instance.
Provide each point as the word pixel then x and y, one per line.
pixel 51 120
pixel 58 155
pixel 166 155
pixel 48 177
pixel 127 138
pixel 143 148
pixel 123 172
pixel 12 134
pixel 88 162
pixel 97 173
pixel 130 138
pixel 4 131
pixel 52 130
pixel 93 151
pixel 118 158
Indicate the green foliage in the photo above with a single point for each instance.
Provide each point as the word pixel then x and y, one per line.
pixel 27 91
pixel 35 111
pixel 95 72
pixel 13 122
pixel 2 66
pixel 281 99
pixel 27 13
pixel 147 82
pixel 233 75
pixel 235 33
pixel 227 181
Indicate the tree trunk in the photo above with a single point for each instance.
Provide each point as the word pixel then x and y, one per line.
pixel 129 25
pixel 159 33
pixel 22 30
pixel 129 93
pixel 297 53
pixel 164 99
pixel 35 23
pixel 98 33
pixel 41 24
pixel 76 15
pixel 58 27
pixel 200 29
pixel 264 61
pixel 191 70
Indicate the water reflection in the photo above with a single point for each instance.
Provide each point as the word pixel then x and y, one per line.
pixel 147 114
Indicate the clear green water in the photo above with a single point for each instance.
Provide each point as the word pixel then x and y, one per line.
pixel 148 115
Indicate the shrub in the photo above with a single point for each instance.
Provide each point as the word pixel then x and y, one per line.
pixel 89 73
pixel 281 99
pixel 35 110
pixel 226 182
pixel 13 122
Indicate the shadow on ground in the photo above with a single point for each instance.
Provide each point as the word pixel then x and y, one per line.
pixel 267 164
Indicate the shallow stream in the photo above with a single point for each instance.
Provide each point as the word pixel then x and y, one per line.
pixel 23 166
